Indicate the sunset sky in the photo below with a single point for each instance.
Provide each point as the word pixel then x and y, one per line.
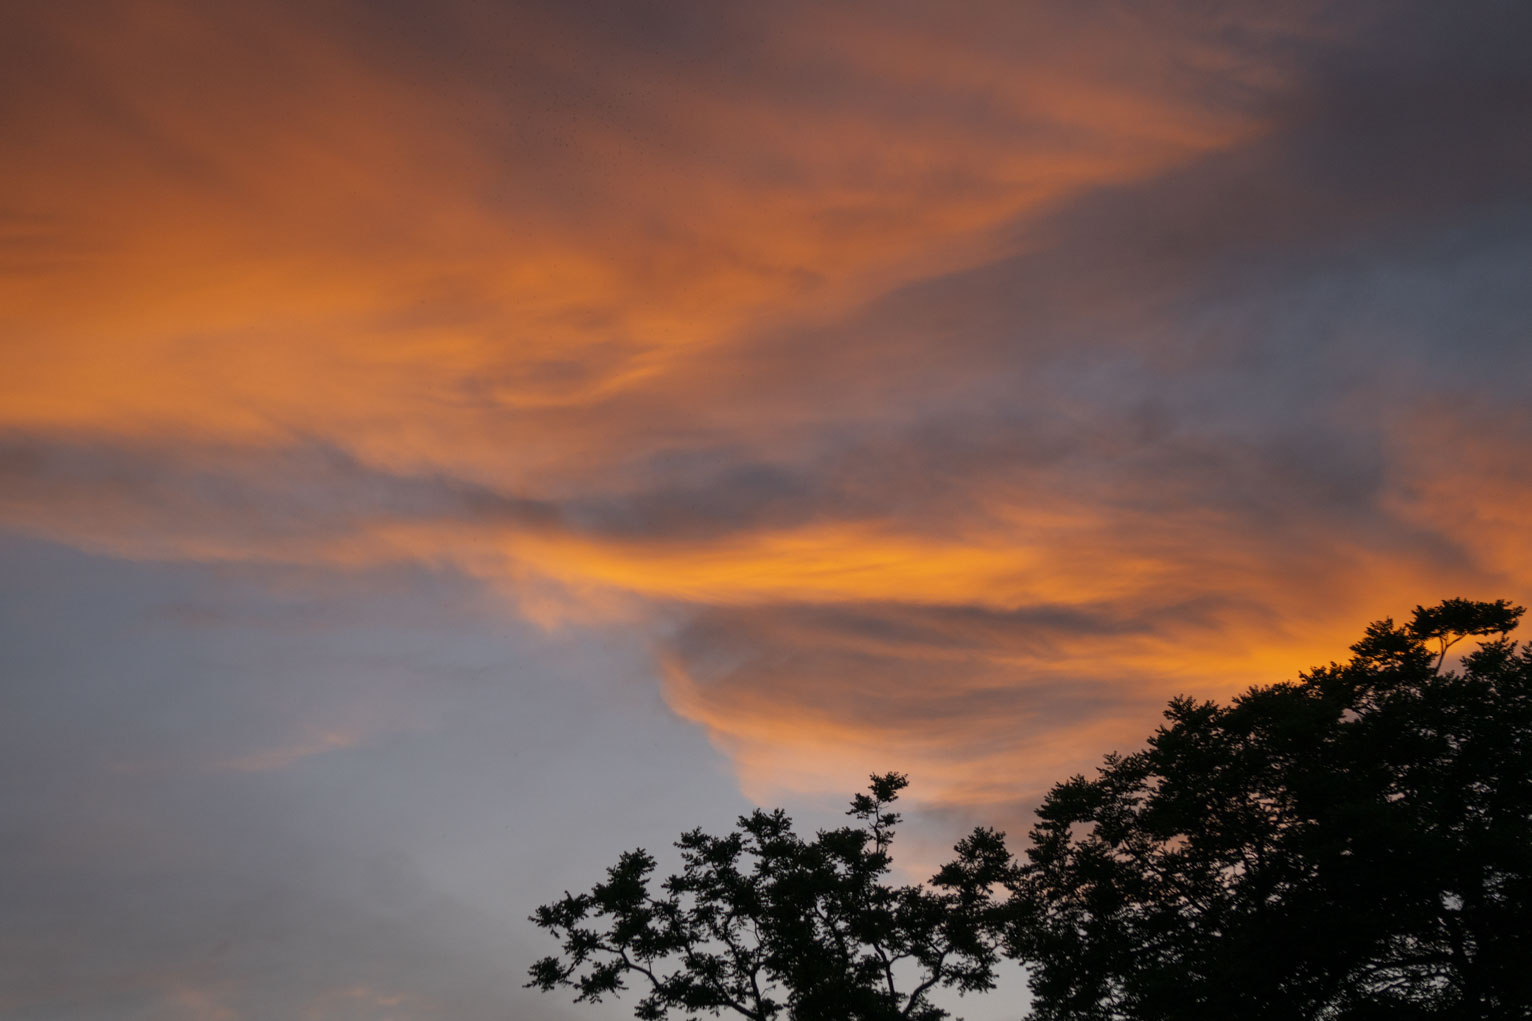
pixel 445 445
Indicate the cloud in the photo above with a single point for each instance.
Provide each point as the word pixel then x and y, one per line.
pixel 432 272
pixel 150 880
pixel 823 346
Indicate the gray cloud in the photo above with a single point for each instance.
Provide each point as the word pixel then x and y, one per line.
pixel 149 878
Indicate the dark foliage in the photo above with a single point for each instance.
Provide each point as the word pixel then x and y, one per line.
pixel 1354 845
pixel 768 925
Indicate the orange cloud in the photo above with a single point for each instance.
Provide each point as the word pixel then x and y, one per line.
pixel 196 1004
pixel 282 756
pixel 847 342
pixel 307 241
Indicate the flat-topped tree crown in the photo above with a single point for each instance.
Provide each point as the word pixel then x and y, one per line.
pixel 1452 620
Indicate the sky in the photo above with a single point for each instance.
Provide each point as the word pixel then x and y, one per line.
pixel 443 446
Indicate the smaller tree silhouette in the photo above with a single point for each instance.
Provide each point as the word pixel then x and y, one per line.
pixel 766 924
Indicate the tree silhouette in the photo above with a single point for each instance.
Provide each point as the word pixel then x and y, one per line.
pixel 766 924
pixel 1357 844
pixel 1351 846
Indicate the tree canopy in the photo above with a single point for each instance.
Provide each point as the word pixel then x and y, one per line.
pixel 766 924
pixel 1357 844
pixel 1353 845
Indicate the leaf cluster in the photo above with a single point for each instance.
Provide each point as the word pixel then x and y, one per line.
pixel 764 923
